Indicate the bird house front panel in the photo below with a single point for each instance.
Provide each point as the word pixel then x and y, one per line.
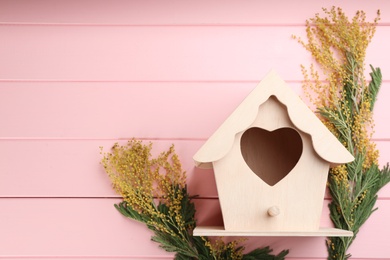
pixel 271 158
pixel 272 179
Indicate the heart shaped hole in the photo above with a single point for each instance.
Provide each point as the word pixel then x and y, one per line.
pixel 271 155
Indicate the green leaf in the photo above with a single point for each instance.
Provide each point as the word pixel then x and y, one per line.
pixel 127 211
pixel 375 84
pixel 264 253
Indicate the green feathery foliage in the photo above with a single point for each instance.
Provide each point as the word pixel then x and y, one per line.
pixel 155 193
pixel 345 104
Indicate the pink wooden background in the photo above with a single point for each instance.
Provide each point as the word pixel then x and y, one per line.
pixel 79 74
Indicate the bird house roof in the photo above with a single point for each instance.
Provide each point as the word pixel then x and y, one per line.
pixel 325 144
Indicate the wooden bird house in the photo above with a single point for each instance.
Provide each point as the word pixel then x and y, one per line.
pixel 271 159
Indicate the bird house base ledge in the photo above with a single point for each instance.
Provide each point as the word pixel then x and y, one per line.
pixel 321 232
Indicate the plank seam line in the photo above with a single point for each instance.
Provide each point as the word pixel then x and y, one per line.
pixel 195 139
pixel 92 197
pixel 101 139
pixel 132 81
pixel 118 197
pixel 175 139
pixel 86 256
pixel 156 24
pixel 146 81
pixel 59 197
pixel 352 258
pixel 212 24
pixel 127 81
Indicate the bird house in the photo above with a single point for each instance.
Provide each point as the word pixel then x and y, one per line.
pixel 271 159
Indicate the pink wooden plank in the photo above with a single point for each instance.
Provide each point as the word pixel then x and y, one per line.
pixel 78 227
pixel 92 228
pixel 67 227
pixel 78 53
pixel 94 110
pixel 384 152
pixel 117 110
pixel 149 258
pixel 76 257
pixel 49 168
pixel 177 12
pixel 381 115
pixel 374 235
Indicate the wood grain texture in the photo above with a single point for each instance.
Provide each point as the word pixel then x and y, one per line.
pixel 249 169
pixel 220 231
pixel 92 228
pixel 122 110
pixel 76 75
pixel 71 168
pixel 177 12
pixel 127 53
pixel 48 168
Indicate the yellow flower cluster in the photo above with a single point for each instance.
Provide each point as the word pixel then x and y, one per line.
pixel 332 246
pixel 336 85
pixel 340 175
pixel 359 199
pixel 339 48
pixel 155 193
pixel 144 182
pixel 362 133
pixel 218 248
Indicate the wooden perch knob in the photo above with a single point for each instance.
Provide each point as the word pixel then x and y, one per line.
pixel 273 211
